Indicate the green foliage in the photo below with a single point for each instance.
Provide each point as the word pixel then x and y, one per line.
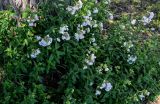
pixel 65 69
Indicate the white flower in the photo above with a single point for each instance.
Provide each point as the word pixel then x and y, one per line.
pixel 151 15
pixel 36 18
pixel 101 26
pixel 148 93
pixel 145 20
pixel 46 41
pixel 87 19
pixel 106 86
pixel 92 40
pixel 66 36
pixel 153 29
pixel 94 23
pixel 95 10
pixel 94 44
pixel 105 67
pixel 131 59
pixel 58 39
pixel 63 29
pixel 35 53
pixel 38 37
pixel 79 4
pixel 98 92
pixel 88 30
pixel 111 16
pixel 141 96
pixel 31 23
pixel 86 23
pixel 85 67
pixel 88 13
pixel 79 35
pixel 73 9
pixel 133 22
pixel 91 59
pixel 128 45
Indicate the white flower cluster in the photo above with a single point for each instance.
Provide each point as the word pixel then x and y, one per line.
pixel 90 59
pixel 133 22
pixel 73 9
pixel 64 31
pixel 102 67
pixel 95 10
pixel 128 45
pixel 142 95
pixel 32 21
pixel 111 17
pixel 131 59
pixel 87 19
pixel 46 41
pixel 146 20
pixel 107 86
pixel 35 53
pixel 79 34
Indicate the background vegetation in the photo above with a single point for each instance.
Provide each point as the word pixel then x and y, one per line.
pixel 84 52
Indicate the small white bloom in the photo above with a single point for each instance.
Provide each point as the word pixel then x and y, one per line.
pixel 88 30
pixel 151 15
pixel 66 36
pixel 133 22
pixel 141 96
pixel 131 59
pixel 46 41
pixel 148 93
pixel 111 16
pixel 94 23
pixel 153 29
pixel 31 24
pixel 98 92
pixel 71 9
pixel 94 44
pixel 91 83
pixel 36 18
pixel 105 67
pixel 101 26
pixel 78 36
pixel 145 20
pixel 63 29
pixel 38 37
pixel 93 40
pixel 88 13
pixel 58 40
pixel 79 4
pixel 35 53
pixel 95 10
pixel 85 67
pixel 91 59
pixel 106 86
pixel 103 86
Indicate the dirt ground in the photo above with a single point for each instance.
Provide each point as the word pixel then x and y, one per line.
pixel 156 102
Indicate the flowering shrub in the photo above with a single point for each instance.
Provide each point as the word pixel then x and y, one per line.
pixel 67 55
